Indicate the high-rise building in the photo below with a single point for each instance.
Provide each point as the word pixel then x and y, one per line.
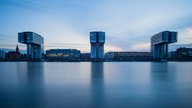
pixel 97 41
pixel 35 44
pixel 159 44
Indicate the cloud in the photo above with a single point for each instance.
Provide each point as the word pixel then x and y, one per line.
pixel 135 22
pixel 128 24
pixel 141 47
pixel 189 31
pixel 184 35
pixel 109 48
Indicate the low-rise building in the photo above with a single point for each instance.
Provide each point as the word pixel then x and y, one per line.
pixel 14 55
pixel 128 56
pixel 183 53
pixel 63 54
pixel 85 56
pixel 172 55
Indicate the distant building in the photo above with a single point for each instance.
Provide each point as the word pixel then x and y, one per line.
pixel 183 53
pixel 97 41
pixel 85 56
pixel 159 44
pixel 35 44
pixel 2 54
pixel 63 54
pixel 172 55
pixel 123 56
pixel 14 55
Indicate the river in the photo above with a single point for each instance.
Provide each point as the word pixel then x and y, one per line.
pixel 96 84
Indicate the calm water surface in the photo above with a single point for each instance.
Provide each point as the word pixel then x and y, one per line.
pixel 95 85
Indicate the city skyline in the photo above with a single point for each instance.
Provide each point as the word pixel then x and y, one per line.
pixel 66 24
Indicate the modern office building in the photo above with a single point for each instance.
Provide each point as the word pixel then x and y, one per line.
pixel 63 54
pixel 35 44
pixel 97 41
pixel 159 44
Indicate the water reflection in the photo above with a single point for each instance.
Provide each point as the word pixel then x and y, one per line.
pixel 159 71
pixel 31 84
pixel 31 74
pixel 164 86
pixel 97 84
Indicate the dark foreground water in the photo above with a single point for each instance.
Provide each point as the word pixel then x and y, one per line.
pixel 95 85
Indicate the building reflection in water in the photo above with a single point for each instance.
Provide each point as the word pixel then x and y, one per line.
pixel 159 71
pixel 31 83
pixel 162 86
pixel 35 74
pixel 97 84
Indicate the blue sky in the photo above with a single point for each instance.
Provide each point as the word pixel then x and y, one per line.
pixel 128 24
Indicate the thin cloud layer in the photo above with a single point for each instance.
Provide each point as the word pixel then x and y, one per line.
pixel 128 24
